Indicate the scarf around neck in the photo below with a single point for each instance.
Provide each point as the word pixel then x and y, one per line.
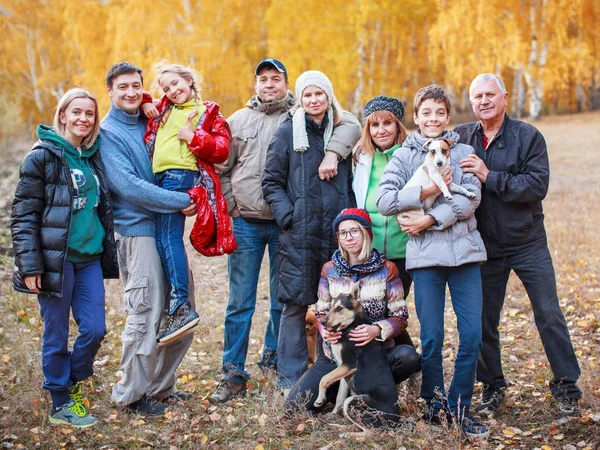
pixel 341 264
pixel 300 135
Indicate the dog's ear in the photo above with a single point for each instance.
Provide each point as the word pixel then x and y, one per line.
pixel 450 142
pixel 426 144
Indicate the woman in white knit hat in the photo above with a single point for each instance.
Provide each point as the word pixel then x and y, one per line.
pixel 305 207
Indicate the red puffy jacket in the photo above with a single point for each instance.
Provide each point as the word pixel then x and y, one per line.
pixel 212 233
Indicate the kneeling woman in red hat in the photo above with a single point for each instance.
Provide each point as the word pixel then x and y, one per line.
pixel 381 296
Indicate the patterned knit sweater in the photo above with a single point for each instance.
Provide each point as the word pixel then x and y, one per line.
pixel 381 294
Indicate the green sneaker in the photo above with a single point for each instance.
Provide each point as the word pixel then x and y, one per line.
pixel 72 414
pixel 75 394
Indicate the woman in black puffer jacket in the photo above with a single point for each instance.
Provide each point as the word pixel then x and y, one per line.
pixel 62 232
pixel 304 207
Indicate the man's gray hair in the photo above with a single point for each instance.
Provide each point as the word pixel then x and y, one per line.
pixel 485 78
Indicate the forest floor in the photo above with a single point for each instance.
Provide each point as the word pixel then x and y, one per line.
pixel 256 421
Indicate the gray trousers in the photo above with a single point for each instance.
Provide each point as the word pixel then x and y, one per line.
pixel 147 368
pixel 292 358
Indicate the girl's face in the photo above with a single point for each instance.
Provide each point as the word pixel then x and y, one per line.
pixel 315 103
pixel 432 118
pixel 350 237
pixel 176 88
pixel 383 132
pixel 78 118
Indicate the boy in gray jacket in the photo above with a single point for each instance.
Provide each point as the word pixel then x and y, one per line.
pixel 444 248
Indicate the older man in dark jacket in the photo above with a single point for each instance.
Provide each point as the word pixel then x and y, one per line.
pixel 511 161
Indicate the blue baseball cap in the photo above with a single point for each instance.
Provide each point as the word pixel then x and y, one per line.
pixel 269 63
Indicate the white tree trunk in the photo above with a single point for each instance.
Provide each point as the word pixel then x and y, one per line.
pixel 519 94
pixel 537 61
pixel 356 107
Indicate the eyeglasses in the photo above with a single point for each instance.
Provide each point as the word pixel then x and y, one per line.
pixel 354 232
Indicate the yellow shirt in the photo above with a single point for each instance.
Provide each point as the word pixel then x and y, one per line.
pixel 170 152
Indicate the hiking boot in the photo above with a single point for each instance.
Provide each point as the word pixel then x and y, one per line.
pixel 491 399
pixel 74 414
pixel 470 426
pixel 147 406
pixel 183 322
pixel 567 409
pixel 226 390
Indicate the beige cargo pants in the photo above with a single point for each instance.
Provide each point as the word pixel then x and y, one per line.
pixel 147 368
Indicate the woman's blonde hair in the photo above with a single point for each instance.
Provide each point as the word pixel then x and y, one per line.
pixel 366 249
pixel 62 106
pixel 366 141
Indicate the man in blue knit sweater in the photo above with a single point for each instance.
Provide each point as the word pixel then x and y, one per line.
pixel 149 371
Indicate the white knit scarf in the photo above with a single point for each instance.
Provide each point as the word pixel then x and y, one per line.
pixel 300 135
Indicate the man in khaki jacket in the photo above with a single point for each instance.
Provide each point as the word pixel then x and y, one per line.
pixel 253 225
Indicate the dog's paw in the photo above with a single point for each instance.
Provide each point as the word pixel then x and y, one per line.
pixel 448 197
pixel 470 195
pixel 318 403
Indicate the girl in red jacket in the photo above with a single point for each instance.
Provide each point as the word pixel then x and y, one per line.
pixel 185 138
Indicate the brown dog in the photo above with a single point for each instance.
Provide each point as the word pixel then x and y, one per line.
pixel 311 335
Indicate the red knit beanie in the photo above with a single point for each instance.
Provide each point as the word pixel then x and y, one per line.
pixel 360 215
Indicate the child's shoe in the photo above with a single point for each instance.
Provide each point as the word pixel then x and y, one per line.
pixel 183 322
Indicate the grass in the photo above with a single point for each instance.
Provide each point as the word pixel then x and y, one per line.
pixel 256 421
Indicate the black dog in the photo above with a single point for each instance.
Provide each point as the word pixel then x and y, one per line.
pixel 362 370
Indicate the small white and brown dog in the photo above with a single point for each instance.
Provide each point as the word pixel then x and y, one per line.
pixel 436 162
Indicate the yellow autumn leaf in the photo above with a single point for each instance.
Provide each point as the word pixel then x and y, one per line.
pixel 259 447
pixel 204 439
pixel 5 358
pixel 184 378
pixel 86 402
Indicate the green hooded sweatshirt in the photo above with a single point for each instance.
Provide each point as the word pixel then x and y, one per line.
pixel 387 235
pixel 86 233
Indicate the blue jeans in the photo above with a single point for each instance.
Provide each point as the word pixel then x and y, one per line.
pixel 534 268
pixel 83 293
pixel 430 297
pixel 169 237
pixel 244 268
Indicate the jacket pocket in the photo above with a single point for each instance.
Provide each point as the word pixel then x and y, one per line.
pixel 246 133
pixel 517 228
pixel 136 296
pixel 135 335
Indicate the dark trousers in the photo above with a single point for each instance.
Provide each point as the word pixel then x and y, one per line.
pixel 83 294
pixel 534 268
pixel 404 275
pixel 403 360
